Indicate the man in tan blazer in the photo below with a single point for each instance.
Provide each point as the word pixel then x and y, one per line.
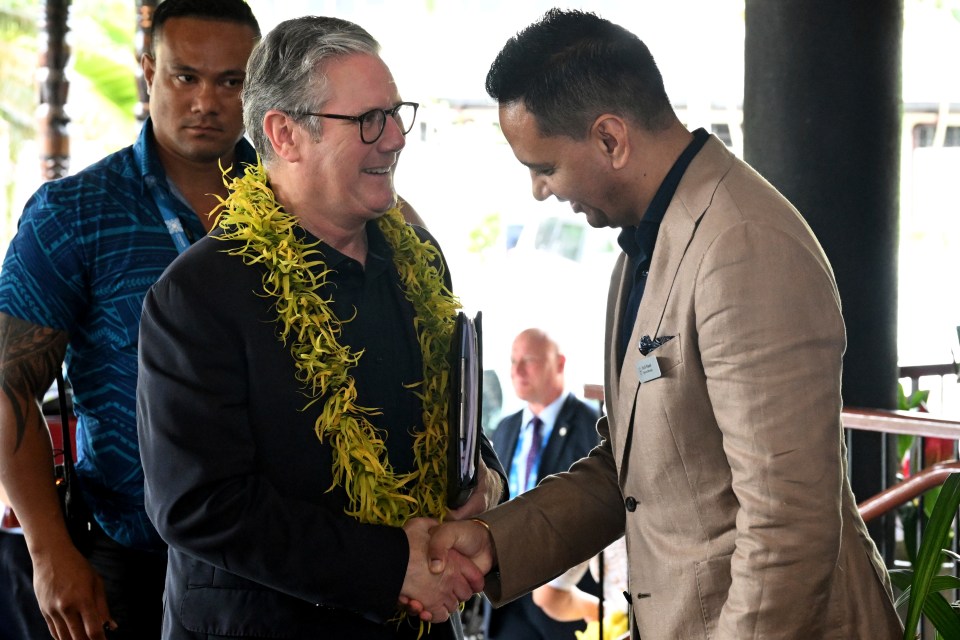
pixel 722 456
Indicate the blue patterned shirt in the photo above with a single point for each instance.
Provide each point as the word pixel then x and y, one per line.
pixel 87 248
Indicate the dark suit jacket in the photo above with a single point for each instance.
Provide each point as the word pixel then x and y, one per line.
pixel 237 482
pixel 573 436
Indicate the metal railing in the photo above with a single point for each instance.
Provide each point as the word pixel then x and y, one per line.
pixel 902 505
pixel 907 490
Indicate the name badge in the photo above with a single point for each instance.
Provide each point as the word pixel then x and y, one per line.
pixel 648 369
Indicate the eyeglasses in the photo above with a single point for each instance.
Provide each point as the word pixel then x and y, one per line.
pixel 372 122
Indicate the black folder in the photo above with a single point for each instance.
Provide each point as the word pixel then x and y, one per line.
pixel 466 385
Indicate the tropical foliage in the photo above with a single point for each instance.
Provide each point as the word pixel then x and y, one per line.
pixel 18 57
pixel 102 92
pixel 922 584
pixel 908 452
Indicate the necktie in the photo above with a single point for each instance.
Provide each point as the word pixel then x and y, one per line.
pixel 533 453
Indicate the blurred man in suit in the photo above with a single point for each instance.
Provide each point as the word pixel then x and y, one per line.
pixel 553 430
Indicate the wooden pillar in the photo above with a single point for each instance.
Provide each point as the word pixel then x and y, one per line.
pixel 145 10
pixel 822 99
pixel 53 86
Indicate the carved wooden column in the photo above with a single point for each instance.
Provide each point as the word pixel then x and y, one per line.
pixel 52 82
pixel 144 21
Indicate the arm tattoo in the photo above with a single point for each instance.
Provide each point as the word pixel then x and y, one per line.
pixel 30 356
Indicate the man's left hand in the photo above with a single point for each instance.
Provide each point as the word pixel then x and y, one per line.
pixel 485 496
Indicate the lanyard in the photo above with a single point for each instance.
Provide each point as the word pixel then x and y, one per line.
pixel 166 204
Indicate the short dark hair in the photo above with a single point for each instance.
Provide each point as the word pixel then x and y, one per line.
pixel 222 10
pixel 572 66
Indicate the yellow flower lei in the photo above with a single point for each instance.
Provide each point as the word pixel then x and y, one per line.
pixel 295 277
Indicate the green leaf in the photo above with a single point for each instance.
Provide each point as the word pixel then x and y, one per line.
pixel 918 398
pixel 930 500
pixel 929 557
pixel 942 616
pixel 943 583
pixel 908 517
pixel 901 579
pixel 114 81
pixel 904 444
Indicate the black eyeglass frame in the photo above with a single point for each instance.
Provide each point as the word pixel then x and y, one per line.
pixel 383 123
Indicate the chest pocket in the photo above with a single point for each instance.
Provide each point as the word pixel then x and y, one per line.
pixel 660 361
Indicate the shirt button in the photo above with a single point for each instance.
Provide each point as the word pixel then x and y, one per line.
pixel 630 503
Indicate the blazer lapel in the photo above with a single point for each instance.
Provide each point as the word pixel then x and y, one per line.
pixel 676 231
pixel 675 235
pixel 616 298
pixel 556 443
pixel 689 203
pixel 507 441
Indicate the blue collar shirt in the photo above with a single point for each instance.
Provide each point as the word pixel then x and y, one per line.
pixel 87 248
pixel 518 468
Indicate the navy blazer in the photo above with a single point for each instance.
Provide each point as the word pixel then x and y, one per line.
pixel 573 436
pixel 237 482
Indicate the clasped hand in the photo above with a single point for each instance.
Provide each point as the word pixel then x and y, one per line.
pixel 447 562
pixel 447 565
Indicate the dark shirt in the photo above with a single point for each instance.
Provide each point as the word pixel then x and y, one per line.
pixel 639 241
pixel 391 359
pixel 237 480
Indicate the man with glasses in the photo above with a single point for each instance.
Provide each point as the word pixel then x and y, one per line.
pixel 293 372
pixel 372 122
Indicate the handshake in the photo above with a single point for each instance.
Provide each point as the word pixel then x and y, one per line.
pixel 447 565
pixel 448 561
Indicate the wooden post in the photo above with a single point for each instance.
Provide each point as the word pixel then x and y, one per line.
pixel 52 82
pixel 145 10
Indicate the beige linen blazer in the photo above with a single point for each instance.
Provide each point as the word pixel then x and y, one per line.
pixel 727 471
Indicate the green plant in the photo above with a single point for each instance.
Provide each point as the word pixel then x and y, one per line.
pixel 922 585
pixel 103 88
pixel 910 512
